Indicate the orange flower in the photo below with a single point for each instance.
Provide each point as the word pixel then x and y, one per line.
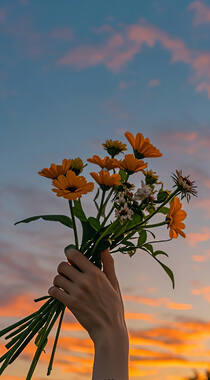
pixel 71 186
pixel 106 162
pixel 175 218
pixel 131 164
pixel 114 147
pixel 55 170
pixel 105 180
pixel 142 147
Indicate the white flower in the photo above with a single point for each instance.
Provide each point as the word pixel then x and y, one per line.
pixel 120 197
pixel 124 213
pixel 143 192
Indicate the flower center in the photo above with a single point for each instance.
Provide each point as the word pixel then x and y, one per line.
pixel 71 188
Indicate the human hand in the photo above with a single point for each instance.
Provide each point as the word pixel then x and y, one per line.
pixel 92 295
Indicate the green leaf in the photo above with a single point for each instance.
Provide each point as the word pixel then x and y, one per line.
pixel 123 175
pixel 55 218
pixel 168 271
pixel 128 243
pixel 78 211
pixel 158 252
pixel 142 238
pixel 151 233
pixel 94 223
pixel 164 210
pixel 149 247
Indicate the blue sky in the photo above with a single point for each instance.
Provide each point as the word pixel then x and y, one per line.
pixel 73 74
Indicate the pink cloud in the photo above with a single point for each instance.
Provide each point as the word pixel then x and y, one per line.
pixel 198 237
pixel 124 84
pixel 196 144
pixel 122 47
pixel 2 15
pixel 65 34
pixel 202 12
pixel 153 82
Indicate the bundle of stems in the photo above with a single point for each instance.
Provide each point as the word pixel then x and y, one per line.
pixel 43 320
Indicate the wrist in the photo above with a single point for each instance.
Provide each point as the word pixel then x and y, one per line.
pixel 112 338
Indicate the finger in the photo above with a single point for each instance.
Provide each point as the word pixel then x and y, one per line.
pixel 77 258
pixel 67 270
pixel 59 294
pixel 62 282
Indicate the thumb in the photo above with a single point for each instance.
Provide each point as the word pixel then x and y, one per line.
pixel 108 268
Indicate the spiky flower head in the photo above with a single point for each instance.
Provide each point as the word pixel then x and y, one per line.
pixel 114 147
pixel 186 186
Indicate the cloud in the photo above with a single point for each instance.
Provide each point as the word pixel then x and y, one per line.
pixel 2 15
pixel 203 291
pixel 201 13
pixel 65 34
pixel 121 48
pixel 123 84
pixel 153 83
pixel 156 302
pixel 192 143
pixel 198 237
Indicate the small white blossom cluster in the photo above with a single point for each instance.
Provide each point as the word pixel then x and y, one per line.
pixel 124 212
pixel 143 192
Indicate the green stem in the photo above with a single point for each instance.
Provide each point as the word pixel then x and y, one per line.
pixel 43 339
pixel 41 298
pixel 55 342
pixel 107 217
pixel 157 241
pixel 101 205
pixel 29 328
pixel 109 196
pixel 74 225
pixel 9 328
pixel 155 225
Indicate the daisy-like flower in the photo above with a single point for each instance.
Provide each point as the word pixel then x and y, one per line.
pixel 55 170
pixel 124 213
pixel 77 165
pixel 175 218
pixel 106 162
pixel 150 177
pixel 131 164
pixel 141 146
pixel 71 186
pixel 106 180
pixel 114 147
pixel 143 192
pixel 185 185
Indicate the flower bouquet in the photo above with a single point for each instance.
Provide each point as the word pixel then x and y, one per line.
pixel 127 232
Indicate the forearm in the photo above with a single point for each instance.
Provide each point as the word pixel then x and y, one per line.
pixel 111 361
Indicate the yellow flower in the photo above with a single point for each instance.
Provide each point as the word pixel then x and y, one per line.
pixel 114 147
pixel 175 218
pixel 150 177
pixel 71 186
pixel 77 165
pixel 105 180
pixel 131 164
pixel 106 162
pixel 141 146
pixel 55 170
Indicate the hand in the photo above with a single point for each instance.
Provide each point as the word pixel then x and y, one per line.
pixel 92 295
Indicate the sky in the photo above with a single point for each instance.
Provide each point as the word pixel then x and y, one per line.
pixel 73 74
